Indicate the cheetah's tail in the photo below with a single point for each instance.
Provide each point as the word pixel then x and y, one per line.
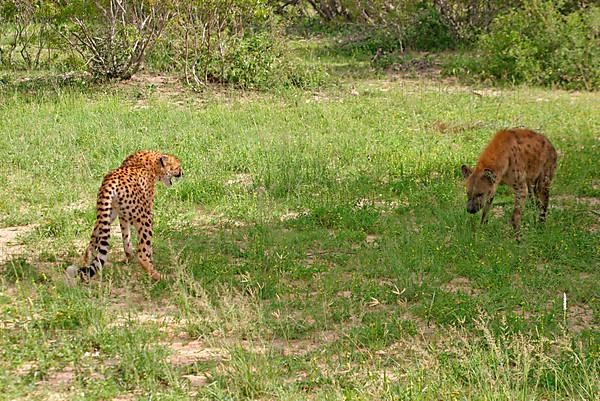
pixel 100 236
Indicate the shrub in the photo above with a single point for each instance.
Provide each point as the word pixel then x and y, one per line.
pixel 113 36
pixel 539 45
pixel 27 39
pixel 428 31
pixel 260 61
pixel 466 19
pixel 235 42
pixel 413 24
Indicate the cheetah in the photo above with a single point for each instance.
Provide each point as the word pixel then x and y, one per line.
pixel 128 193
pixel 520 158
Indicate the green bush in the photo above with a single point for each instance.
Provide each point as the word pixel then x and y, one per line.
pixel 539 45
pixel 237 43
pixel 261 61
pixel 257 60
pixel 427 30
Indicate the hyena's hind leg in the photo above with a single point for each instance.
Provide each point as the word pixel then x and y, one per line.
pixel 534 193
pixel 542 189
pixel 520 189
pixel 542 193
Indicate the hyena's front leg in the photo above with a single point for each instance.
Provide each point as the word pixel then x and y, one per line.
pixel 485 211
pixel 520 197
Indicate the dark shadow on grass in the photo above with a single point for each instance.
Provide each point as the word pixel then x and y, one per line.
pixel 47 84
pixel 18 269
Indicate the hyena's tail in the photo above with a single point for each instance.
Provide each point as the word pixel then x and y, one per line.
pixel 100 236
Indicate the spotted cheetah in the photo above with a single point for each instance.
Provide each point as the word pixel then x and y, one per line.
pixel 128 193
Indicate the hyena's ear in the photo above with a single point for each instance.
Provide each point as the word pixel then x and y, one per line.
pixel 164 160
pixel 465 171
pixel 489 174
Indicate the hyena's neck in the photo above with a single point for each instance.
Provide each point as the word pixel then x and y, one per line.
pixel 496 155
pixel 495 161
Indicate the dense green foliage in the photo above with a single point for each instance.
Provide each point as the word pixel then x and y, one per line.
pixel 539 45
pixel 244 42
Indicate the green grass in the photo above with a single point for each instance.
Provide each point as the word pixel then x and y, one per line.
pixel 317 247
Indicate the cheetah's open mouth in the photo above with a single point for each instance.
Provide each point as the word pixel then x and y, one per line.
pixel 167 180
pixel 170 179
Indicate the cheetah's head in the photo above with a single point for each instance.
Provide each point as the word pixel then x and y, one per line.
pixel 168 167
pixel 481 187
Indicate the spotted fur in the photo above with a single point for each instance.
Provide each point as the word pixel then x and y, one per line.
pixel 520 158
pixel 128 193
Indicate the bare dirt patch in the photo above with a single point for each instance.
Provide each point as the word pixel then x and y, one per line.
pixel 420 66
pixel 196 380
pixel 582 200
pixel 175 90
pixel 128 396
pixel 382 205
pixel 240 180
pixel 186 353
pixel 25 368
pixel 129 306
pixel 211 220
pixel 56 386
pixel 371 239
pixel 162 86
pixel 460 284
pixel 305 346
pixel 290 215
pixel 498 212
pixel 60 379
pixel 10 245
pixel 580 317
pixel 455 128
pixel 164 321
pixel 80 205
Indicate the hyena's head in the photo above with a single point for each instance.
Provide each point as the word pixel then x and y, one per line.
pixel 168 167
pixel 481 187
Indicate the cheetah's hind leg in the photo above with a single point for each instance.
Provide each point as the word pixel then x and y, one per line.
pixel 126 234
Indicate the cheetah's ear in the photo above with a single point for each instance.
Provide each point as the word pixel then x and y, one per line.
pixel 465 171
pixel 489 174
pixel 164 160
